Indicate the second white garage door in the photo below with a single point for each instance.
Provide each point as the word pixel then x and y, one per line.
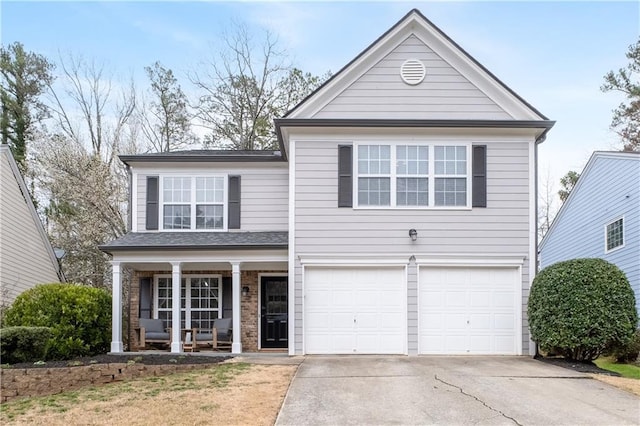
pixel 468 310
pixel 355 311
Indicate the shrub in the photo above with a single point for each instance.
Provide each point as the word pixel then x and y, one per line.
pixel 79 317
pixel 580 307
pixel 626 353
pixel 24 344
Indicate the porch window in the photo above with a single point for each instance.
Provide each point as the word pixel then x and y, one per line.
pixel 193 202
pixel 200 300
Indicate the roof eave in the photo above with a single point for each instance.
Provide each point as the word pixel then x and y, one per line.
pixel 110 249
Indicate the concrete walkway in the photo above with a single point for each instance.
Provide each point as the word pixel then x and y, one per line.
pixel 361 390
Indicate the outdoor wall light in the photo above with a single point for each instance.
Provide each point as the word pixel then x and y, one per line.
pixel 245 291
pixel 413 234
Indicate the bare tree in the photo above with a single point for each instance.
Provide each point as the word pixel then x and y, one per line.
pixel 86 187
pixel 165 122
pixel 245 88
pixel 104 113
pixel 546 205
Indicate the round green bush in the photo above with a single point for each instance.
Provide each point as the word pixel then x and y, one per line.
pixel 24 344
pixel 580 307
pixel 79 317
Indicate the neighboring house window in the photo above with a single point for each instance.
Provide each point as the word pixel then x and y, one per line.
pixel 198 309
pixel 615 234
pixel 412 175
pixel 193 202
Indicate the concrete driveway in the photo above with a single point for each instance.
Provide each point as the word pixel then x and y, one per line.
pixel 374 390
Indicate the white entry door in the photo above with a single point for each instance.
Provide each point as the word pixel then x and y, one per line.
pixel 468 310
pixel 355 311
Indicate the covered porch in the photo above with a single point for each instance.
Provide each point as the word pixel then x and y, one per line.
pixel 191 288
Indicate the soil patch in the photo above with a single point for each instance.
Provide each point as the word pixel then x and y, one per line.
pixel 582 367
pixel 146 359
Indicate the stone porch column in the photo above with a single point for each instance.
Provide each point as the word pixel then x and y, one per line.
pixel 236 347
pixel 116 309
pixel 176 344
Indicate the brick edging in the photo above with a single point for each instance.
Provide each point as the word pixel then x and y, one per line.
pixel 28 382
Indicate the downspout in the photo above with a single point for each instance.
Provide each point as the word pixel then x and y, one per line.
pixel 539 140
pixel 129 199
pixel 129 274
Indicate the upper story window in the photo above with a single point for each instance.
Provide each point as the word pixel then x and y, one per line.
pixel 193 202
pixel 413 175
pixel 614 235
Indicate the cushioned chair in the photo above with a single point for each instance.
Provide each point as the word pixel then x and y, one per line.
pixel 152 330
pixel 218 338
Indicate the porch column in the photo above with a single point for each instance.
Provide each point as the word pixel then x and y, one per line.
pixel 176 344
pixel 236 347
pixel 116 309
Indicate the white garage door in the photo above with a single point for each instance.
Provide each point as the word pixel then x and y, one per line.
pixel 468 310
pixel 355 311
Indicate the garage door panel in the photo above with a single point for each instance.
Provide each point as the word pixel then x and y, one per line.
pixel 476 314
pixel 365 312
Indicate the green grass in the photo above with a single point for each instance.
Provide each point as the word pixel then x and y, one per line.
pixel 631 371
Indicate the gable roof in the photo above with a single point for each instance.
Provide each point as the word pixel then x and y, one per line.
pixel 617 155
pixel 416 24
pixel 13 166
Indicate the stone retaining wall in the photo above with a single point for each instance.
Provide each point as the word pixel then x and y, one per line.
pixel 48 381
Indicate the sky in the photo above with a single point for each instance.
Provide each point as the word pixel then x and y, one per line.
pixel 553 54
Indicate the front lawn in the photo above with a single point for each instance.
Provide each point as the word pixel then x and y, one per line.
pixel 631 371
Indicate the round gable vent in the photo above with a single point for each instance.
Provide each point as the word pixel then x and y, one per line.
pixel 412 71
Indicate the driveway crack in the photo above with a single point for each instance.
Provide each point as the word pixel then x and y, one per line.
pixel 477 399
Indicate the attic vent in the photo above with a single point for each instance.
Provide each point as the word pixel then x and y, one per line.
pixel 412 71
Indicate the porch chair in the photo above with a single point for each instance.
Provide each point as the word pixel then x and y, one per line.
pixel 152 330
pixel 218 338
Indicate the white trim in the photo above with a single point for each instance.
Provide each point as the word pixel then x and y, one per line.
pixel 271 274
pixel 292 245
pixel 507 264
pixel 333 260
pixel 193 202
pixel 168 256
pixel 474 260
pixel 134 202
pixel 533 234
pixel 606 235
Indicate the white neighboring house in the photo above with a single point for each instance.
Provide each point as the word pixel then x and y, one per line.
pixel 26 255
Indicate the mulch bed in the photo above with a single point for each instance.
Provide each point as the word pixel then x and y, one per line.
pixel 146 359
pixel 582 367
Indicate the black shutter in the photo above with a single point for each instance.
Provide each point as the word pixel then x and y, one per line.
pixel 345 178
pixel 479 173
pixel 152 202
pixel 145 298
pixel 234 202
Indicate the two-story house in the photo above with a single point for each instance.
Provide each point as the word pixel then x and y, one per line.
pixel 398 216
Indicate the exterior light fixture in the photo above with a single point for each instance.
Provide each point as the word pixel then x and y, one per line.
pixel 245 291
pixel 413 234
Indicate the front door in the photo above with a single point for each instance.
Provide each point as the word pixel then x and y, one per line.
pixel 274 312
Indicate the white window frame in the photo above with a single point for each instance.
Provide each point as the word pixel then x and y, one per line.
pixel 187 309
pixel 193 202
pixel 431 175
pixel 606 235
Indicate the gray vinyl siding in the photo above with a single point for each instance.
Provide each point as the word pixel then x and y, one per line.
pixel 321 228
pixel 24 257
pixel 610 189
pixel 381 93
pixel 264 204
